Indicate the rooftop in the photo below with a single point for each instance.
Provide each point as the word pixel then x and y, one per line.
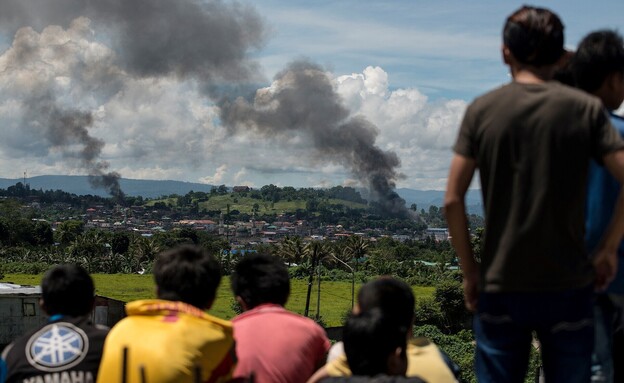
pixel 13 289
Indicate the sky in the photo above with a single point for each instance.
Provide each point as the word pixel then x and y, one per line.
pixel 192 93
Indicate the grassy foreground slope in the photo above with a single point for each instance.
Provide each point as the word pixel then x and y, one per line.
pixel 335 296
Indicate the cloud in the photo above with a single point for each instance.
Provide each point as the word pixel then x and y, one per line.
pixel 217 178
pixel 419 131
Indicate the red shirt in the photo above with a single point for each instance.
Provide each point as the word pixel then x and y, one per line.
pixel 278 345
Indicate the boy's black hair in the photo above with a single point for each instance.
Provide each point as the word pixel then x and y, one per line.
pixel 67 290
pixel 599 55
pixel 188 274
pixel 392 296
pixel 261 278
pixel 534 36
pixel 370 337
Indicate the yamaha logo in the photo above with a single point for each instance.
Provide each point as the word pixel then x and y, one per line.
pixel 57 347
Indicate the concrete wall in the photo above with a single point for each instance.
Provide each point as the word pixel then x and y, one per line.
pixel 17 316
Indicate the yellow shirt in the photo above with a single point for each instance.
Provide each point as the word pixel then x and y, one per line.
pixel 168 342
pixel 424 360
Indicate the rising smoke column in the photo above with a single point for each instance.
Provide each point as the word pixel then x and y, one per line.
pixel 35 70
pixel 209 42
pixel 66 128
pixel 302 98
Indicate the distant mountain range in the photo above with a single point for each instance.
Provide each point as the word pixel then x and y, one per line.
pixel 79 185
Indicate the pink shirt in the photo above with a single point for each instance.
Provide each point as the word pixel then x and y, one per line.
pixel 278 345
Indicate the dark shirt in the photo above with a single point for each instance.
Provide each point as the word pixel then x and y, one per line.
pixel 63 350
pixel 532 144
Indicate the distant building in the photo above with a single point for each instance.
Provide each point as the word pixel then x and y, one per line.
pixel 20 311
pixel 241 189
pixel 439 234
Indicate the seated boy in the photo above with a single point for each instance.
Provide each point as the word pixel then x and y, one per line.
pixel 396 299
pixel 272 343
pixel 69 347
pixel 375 345
pixel 172 339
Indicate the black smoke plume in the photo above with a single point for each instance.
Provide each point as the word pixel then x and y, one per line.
pixel 210 42
pixel 206 41
pixel 303 99
pixel 64 129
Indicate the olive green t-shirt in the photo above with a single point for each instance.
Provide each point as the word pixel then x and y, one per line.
pixel 532 144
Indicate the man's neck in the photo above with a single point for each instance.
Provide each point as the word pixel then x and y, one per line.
pixel 532 75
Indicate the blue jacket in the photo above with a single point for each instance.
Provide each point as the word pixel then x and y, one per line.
pixel 602 193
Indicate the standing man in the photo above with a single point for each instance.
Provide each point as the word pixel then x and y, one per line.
pixel 598 68
pixel 531 141
pixel 69 347
pixel 273 344
pixel 172 339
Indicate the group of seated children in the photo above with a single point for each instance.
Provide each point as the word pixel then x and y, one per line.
pixel 172 338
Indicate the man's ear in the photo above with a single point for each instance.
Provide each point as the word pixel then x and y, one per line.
pixel 612 90
pixel 242 303
pixel 507 55
pixel 614 81
pixel 397 362
pixel 43 305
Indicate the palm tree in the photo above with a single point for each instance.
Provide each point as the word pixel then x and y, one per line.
pixel 357 248
pixel 315 251
pixel 291 250
pixel 143 250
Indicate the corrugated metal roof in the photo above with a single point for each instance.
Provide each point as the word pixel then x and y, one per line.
pixel 13 289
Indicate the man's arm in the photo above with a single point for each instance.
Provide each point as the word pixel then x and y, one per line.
pixel 460 176
pixel 605 257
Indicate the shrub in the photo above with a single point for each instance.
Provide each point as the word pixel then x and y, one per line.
pixel 24 267
pixel 449 294
pixel 427 311
pixel 459 347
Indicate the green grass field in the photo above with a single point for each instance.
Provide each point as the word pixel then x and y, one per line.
pixel 334 303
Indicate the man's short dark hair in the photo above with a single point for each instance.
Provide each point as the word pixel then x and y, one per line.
pixel 370 337
pixel 534 36
pixel 599 55
pixel 261 278
pixel 392 296
pixel 188 274
pixel 67 290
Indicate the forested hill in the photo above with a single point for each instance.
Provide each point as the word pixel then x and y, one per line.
pixel 79 185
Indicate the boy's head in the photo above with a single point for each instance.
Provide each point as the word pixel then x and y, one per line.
pixel 187 274
pixel 67 290
pixel 534 37
pixel 392 296
pixel 374 344
pixel 598 67
pixel 260 278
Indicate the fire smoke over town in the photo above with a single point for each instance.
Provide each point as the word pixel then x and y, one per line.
pixel 53 61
